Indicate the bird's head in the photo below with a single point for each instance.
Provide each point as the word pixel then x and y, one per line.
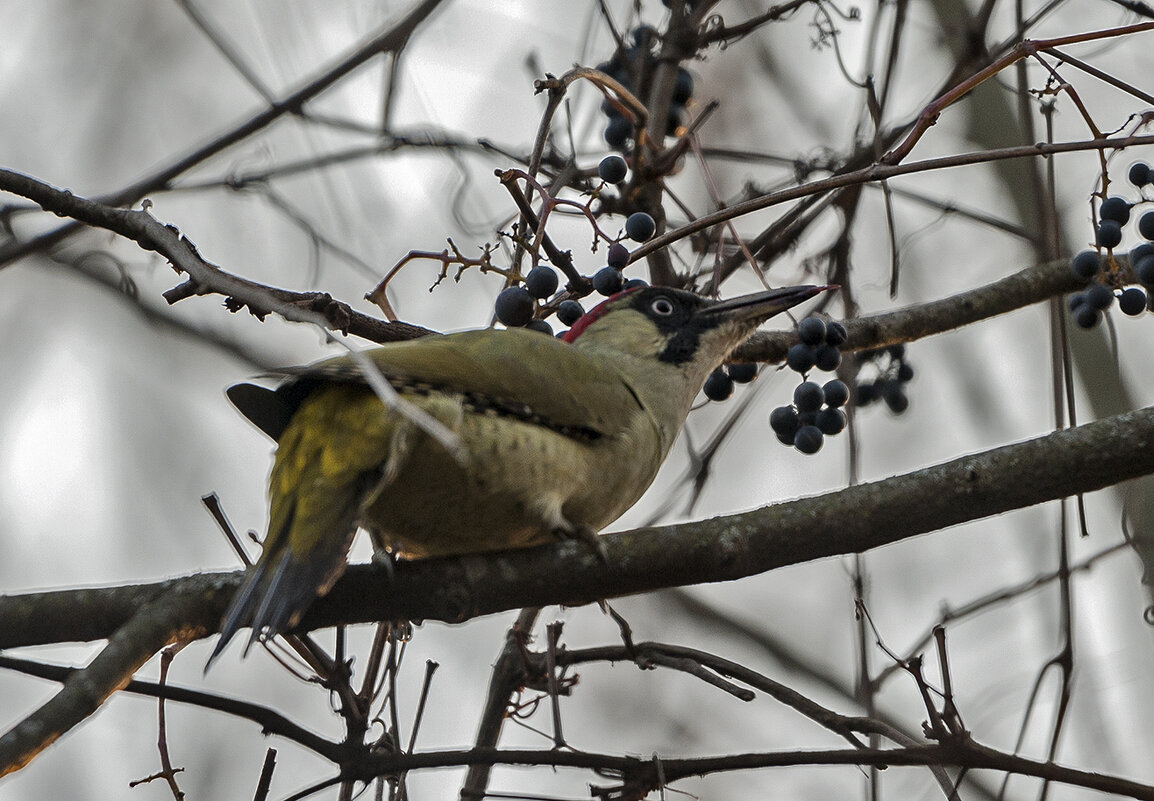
pixel 666 341
pixel 679 328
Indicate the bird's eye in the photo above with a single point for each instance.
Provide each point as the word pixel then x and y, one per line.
pixel 662 307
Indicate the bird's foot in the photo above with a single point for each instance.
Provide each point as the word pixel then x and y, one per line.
pixel 589 537
pixel 386 559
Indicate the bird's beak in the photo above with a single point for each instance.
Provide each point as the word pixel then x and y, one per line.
pixel 761 306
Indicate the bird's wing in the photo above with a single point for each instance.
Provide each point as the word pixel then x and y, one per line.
pixel 541 380
pixel 333 441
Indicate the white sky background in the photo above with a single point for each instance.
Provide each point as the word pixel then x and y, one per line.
pixel 113 422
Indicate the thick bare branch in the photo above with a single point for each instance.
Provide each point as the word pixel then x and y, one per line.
pixel 389 40
pixel 169 619
pixel 853 520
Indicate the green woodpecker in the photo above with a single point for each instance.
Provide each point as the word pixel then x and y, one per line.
pixel 561 437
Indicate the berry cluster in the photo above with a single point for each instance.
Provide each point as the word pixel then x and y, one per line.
pixel 817 337
pixel 805 424
pixel 1140 174
pixel 815 414
pixel 633 67
pixel 719 385
pixel 1087 306
pixel 515 304
pixel 639 226
pixel 890 385
pixel 610 279
pixel 818 346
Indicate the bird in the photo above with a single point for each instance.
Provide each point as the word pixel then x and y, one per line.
pixel 560 436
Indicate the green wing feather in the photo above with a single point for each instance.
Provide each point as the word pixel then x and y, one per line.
pixel 334 442
pixel 527 372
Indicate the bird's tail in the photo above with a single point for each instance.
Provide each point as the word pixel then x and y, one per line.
pixel 304 554
pixel 275 594
pixel 328 457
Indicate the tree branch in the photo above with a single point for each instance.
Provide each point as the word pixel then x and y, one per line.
pixel 1021 289
pixel 205 277
pixel 641 774
pixel 270 721
pixel 852 520
pixel 879 172
pixel 152 627
pixel 389 40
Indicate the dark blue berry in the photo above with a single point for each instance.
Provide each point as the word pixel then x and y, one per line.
pixel 836 393
pixel 636 283
pixel 1144 270
pixel 1109 233
pixel 1116 209
pixel 618 131
pixel 1139 174
pixel 1146 225
pixel 784 422
pixel 639 226
pixel 811 331
pixel 801 357
pixel 608 281
pixel 613 170
pixel 1076 300
pixel 867 393
pixel 541 282
pixel 1099 296
pixel 1141 250
pixel 1132 301
pixel 835 333
pixel 569 312
pixel 905 372
pixel 539 325
pixel 719 386
pixel 618 255
pixel 808 439
pixel 808 396
pixel 1085 264
pixel 830 421
pixel 1086 316
pixel 742 372
pixel 827 358
pixel 514 306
